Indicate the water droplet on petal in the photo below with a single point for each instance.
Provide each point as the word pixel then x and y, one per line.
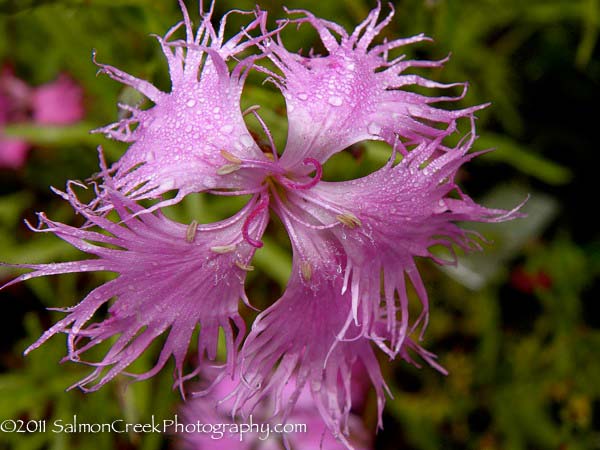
pixel 191 103
pixel 167 184
pixel 373 128
pixel 227 129
pixel 303 96
pixel 216 109
pixel 246 140
pixel 335 100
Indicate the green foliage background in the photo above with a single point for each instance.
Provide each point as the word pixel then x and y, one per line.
pixel 522 354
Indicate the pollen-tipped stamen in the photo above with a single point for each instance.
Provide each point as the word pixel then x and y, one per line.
pixel 222 249
pixel 192 229
pixel 244 267
pixel 349 219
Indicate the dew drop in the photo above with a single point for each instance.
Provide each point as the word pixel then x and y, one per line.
pixel 373 128
pixel 303 96
pixel 188 128
pixel 191 103
pixel 167 184
pixel 227 129
pixel 216 109
pixel 335 100
pixel 246 140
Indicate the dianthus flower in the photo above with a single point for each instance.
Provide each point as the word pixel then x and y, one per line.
pixel 303 429
pixel 56 103
pixel 354 242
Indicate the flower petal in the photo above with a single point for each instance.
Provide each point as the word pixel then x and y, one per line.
pixel 177 143
pixel 356 93
pixel 297 338
pixel 171 277
pixel 388 218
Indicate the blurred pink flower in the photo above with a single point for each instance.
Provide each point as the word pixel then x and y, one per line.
pixel 307 430
pixel 57 103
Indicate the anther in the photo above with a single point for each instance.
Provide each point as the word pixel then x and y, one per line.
pixel 306 270
pixel 244 267
pixel 349 219
pixel 222 249
pixel 226 169
pixel 230 157
pixel 250 109
pixel 190 233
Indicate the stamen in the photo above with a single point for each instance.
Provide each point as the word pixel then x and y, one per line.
pixel 349 219
pixel 230 157
pixel 222 249
pixel 261 206
pixel 190 233
pixel 226 169
pixel 303 186
pixel 250 109
pixel 244 267
pixel 306 270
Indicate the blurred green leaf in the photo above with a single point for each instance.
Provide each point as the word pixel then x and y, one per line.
pixel 521 158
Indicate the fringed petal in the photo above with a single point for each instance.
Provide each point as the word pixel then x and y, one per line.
pixel 172 278
pixel 356 93
pixel 388 218
pixel 297 340
pixel 176 144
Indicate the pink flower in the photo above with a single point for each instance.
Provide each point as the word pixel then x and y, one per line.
pixel 347 237
pixel 56 103
pixel 307 429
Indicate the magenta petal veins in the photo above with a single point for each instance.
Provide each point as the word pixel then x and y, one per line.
pixel 172 278
pixel 355 92
pixel 177 143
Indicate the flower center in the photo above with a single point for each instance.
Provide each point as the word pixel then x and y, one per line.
pixel 276 181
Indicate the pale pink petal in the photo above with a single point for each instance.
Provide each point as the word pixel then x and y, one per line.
pixel 177 144
pixel 171 279
pixel 387 219
pixel 356 92
pixel 297 339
